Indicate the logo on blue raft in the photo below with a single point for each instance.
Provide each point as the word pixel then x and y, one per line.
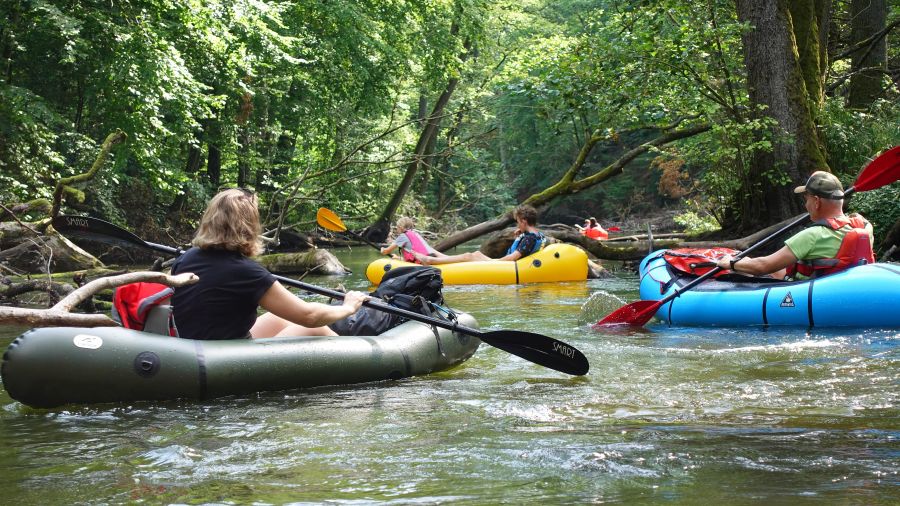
pixel 787 301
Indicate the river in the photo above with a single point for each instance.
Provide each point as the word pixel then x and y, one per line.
pixel 666 415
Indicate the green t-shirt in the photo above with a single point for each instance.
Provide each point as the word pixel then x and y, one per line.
pixel 815 242
pixel 819 242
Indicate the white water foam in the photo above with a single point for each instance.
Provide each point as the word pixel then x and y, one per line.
pixel 806 344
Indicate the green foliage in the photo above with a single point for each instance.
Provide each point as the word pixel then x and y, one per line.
pixel 27 137
pixel 854 138
pixel 314 103
pixel 695 221
pixel 723 157
pixel 280 88
pixel 585 67
pixel 879 207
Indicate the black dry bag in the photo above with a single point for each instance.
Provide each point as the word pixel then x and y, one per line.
pixel 412 288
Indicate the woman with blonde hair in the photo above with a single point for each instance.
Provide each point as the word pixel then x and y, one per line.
pixel 223 304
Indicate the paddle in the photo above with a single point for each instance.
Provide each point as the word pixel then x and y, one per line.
pixel 881 171
pixel 537 348
pixel 327 219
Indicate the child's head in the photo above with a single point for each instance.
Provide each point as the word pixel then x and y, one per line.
pixel 405 223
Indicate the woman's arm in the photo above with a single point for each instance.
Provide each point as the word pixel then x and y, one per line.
pixel 387 250
pixel 281 302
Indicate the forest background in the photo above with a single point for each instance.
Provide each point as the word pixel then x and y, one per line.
pixel 451 111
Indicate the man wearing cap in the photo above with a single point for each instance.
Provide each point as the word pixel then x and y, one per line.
pixel 816 246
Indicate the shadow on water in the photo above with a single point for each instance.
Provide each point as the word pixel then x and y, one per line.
pixel 671 415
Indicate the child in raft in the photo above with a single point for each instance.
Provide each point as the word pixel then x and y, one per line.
pixel 410 242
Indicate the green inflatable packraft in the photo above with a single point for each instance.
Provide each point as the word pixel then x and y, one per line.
pixel 53 366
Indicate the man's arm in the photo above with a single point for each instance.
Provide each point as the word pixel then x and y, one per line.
pixel 760 266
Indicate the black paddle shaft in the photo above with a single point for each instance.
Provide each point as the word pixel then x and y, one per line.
pixel 536 348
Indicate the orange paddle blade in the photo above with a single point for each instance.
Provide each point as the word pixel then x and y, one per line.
pixel 637 313
pixel 327 219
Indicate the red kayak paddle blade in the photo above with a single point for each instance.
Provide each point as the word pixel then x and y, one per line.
pixel 882 171
pixel 613 229
pixel 637 314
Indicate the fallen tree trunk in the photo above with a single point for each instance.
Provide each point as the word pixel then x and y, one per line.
pixel 891 242
pixel 644 237
pixel 637 250
pixel 60 314
pixel 47 253
pixel 316 261
pixel 633 250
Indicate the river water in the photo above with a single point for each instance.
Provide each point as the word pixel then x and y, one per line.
pixel 666 415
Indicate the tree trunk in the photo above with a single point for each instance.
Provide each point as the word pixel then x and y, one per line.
pixel 315 261
pixel 867 17
pixel 63 186
pixel 244 154
pixel 194 159
pixel 25 250
pixel 191 167
pixel 284 155
pixel 214 165
pixel 47 254
pixel 7 41
pixel 445 193
pixel 778 83
pixel 810 19
pixel 378 232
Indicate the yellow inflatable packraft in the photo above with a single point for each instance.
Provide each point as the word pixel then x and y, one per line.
pixel 556 262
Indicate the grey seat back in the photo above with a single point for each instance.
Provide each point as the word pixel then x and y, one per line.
pixel 159 320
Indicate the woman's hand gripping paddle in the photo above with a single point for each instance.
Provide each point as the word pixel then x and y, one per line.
pixel 883 170
pixel 327 219
pixel 537 348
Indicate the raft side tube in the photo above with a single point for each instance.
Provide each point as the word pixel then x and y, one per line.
pixel 50 367
pixel 863 296
pixel 556 262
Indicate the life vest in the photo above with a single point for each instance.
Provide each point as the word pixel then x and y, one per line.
pixel 697 261
pixel 855 249
pixel 596 233
pixel 417 244
pixel 133 304
pixel 538 244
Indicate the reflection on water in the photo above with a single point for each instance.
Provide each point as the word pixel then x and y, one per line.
pixel 670 415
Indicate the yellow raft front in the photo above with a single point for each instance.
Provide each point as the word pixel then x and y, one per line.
pixel 556 262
